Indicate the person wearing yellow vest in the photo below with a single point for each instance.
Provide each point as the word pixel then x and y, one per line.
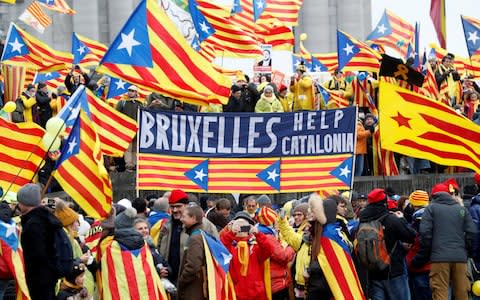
pixel 28 102
pixel 301 85
pixel 338 83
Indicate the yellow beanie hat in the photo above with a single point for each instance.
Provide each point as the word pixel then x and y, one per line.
pixel 65 214
pixel 419 198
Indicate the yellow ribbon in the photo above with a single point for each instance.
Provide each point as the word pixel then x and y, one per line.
pixel 243 257
pixel 402 71
pixel 267 279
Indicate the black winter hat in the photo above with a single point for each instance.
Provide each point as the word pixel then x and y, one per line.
pixel 78 269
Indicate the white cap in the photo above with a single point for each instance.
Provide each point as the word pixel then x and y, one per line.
pixel 125 203
pixel 133 87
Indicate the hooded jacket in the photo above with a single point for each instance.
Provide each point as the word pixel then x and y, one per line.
pixel 447 231
pixel 396 232
pixel 129 238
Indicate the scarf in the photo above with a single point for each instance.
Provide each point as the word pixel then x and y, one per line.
pixel 269 99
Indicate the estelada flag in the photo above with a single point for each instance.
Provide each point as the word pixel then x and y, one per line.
pixel 394 67
pixel 21 153
pixel 337 265
pixel 417 126
pixel 129 274
pixel 12 254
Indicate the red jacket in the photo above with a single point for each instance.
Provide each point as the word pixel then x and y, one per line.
pixel 279 270
pixel 411 254
pixel 251 286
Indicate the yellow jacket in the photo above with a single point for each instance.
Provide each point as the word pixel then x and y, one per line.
pixel 28 103
pixel 295 240
pixel 303 96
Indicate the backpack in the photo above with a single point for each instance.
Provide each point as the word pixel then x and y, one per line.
pixel 17 115
pixel 63 253
pixel 370 245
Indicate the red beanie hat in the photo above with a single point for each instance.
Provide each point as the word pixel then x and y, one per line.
pixel 178 196
pixel 377 195
pixel 392 204
pixel 452 185
pixel 440 188
pixel 477 178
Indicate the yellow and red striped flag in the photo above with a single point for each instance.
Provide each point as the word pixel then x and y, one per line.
pixel 87 52
pixel 420 127
pixel 354 55
pixel 12 254
pixel 60 6
pixel 34 16
pixel 337 265
pixel 430 88
pixel 14 79
pixel 393 32
pixel 80 170
pixel 383 160
pixel 439 19
pixel 21 152
pixel 463 65
pixel 129 274
pixel 115 130
pixel 150 52
pixel 23 49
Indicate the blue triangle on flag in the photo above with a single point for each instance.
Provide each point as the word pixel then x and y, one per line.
pixel 8 233
pixel 317 66
pixel 199 174
pixel 72 145
pixel 72 108
pixel 132 44
pixel 15 45
pixel 325 94
pixel 237 7
pixel 271 175
pixel 79 49
pixel 383 28
pixel 347 49
pixel 258 8
pixel 195 43
pixel 117 87
pixel 343 172
pixel 219 252
pixel 43 77
pixel 203 28
pixel 472 36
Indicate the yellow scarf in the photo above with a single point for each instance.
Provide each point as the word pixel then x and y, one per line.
pixel 243 256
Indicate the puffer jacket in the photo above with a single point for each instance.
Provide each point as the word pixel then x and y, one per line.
pixel 302 90
pixel 264 106
pixel 295 240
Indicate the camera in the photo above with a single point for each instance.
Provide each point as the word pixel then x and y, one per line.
pixel 245 228
pixel 50 203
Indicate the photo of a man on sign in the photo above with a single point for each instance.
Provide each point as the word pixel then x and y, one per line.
pixel 264 65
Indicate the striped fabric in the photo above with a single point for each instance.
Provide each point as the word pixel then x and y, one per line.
pixel 21 153
pixel 439 19
pixel 231 175
pixel 414 125
pixel 393 32
pixel 171 67
pixel 115 130
pixel 13 78
pixel 36 17
pixel 129 274
pixel 23 49
pixel 81 172
pixel 354 55
pixel 463 65
pixel 87 52
pixel 60 6
pixel 11 252
pixel 383 160
pixel 281 11
pixel 430 88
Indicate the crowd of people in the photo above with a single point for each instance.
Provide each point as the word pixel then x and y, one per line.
pixel 417 246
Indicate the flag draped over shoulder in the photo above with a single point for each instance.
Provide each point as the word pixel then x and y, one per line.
pixel 115 130
pixel 420 127
pixel 129 274
pixel 11 252
pixel 437 13
pixel 86 52
pixel 80 170
pixel 354 55
pixel 393 32
pixel 150 52
pixel 220 285
pixel 331 99
pixel 21 152
pixel 337 265
pixel 23 49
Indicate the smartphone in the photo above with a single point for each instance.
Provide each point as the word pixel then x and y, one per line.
pixel 245 228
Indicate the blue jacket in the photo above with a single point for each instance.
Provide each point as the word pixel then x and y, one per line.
pixel 475 213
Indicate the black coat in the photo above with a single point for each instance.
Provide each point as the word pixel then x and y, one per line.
pixel 37 240
pixel 396 232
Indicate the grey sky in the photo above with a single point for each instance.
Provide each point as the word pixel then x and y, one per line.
pixel 419 10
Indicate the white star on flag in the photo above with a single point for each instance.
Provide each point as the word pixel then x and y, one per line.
pixel 74 113
pixel 345 171
pixel 204 27
pixel 473 37
pixel 200 174
pixel 49 74
pixel 273 175
pixel 81 50
pixel 226 258
pixel 16 46
pixel 259 4
pixel 11 229
pixel 72 144
pixel 348 49
pixel 317 68
pixel 381 28
pixel 128 42
pixel 120 84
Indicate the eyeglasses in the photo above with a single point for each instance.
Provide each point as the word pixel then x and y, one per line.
pixel 132 90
